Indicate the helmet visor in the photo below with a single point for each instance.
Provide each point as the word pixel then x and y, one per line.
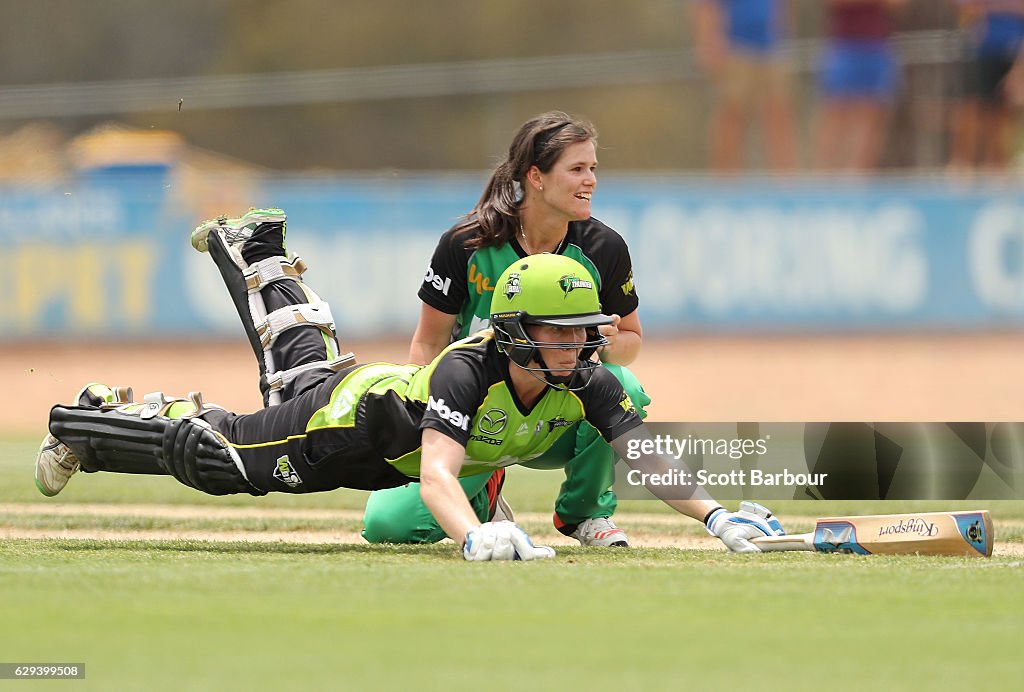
pixel 571 321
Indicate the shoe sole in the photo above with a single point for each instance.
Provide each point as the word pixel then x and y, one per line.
pixel 43 490
pixel 613 544
pixel 621 543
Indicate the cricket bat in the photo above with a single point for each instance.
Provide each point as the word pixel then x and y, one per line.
pixel 928 533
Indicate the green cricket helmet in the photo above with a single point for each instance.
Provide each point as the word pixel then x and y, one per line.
pixel 552 290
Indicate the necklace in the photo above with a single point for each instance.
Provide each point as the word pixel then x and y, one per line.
pixel 530 250
pixel 522 234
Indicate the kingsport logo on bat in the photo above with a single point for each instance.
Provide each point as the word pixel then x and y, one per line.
pixel 916 526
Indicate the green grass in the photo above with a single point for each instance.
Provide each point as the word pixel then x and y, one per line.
pixel 188 615
pixel 181 615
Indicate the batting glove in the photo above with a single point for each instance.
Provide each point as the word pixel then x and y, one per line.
pixel 735 529
pixel 502 540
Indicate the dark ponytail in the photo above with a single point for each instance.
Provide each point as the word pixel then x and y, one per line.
pixel 539 142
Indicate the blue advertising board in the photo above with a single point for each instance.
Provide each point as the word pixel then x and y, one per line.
pixel 108 256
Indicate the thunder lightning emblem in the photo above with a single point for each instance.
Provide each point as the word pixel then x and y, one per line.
pixel 571 282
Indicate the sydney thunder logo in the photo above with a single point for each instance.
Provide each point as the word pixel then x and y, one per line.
pixel 286 473
pixel 571 282
pixel 512 286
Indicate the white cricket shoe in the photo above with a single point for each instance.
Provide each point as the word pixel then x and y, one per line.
pixel 54 466
pixel 234 231
pixel 601 532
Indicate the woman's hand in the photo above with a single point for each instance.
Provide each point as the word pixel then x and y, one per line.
pixel 625 335
pixel 610 332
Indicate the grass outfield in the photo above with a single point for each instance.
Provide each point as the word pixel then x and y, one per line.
pixel 176 614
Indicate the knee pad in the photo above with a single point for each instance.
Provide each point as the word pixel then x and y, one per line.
pixel 198 456
pixel 280 364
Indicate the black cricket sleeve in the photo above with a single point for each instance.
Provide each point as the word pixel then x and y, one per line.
pixel 444 285
pixel 456 392
pixel 618 294
pixel 607 406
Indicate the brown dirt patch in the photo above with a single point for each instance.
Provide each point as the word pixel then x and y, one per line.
pixel 938 377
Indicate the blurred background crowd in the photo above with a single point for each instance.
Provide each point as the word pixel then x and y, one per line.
pixel 715 85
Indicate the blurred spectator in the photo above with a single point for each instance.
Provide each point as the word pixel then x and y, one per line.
pixel 737 44
pixel 859 78
pixel 993 84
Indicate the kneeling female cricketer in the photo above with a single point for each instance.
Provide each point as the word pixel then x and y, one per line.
pixel 497 398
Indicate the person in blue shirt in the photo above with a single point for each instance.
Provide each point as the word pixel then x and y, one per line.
pixel 992 84
pixel 859 79
pixel 738 45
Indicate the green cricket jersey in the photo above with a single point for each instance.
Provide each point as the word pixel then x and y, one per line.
pixel 466 394
pixel 460 281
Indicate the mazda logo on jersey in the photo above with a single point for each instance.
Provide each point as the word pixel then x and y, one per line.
pixel 493 421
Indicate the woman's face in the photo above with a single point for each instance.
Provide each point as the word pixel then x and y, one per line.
pixel 561 361
pixel 569 185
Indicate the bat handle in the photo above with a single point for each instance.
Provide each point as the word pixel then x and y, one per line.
pixel 797 541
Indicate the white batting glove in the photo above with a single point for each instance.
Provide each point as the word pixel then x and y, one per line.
pixel 735 529
pixel 502 540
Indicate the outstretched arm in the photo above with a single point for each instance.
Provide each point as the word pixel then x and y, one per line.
pixel 735 529
pixel 693 501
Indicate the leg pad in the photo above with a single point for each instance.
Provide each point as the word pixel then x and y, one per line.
pixel 188 449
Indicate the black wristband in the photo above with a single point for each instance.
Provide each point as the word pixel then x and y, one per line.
pixel 708 515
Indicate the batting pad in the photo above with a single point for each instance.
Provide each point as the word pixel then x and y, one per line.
pixel 120 442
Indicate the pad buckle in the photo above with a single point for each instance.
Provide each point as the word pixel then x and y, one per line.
pixel 276 381
pixel 155 403
pixel 201 407
pixel 272 269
